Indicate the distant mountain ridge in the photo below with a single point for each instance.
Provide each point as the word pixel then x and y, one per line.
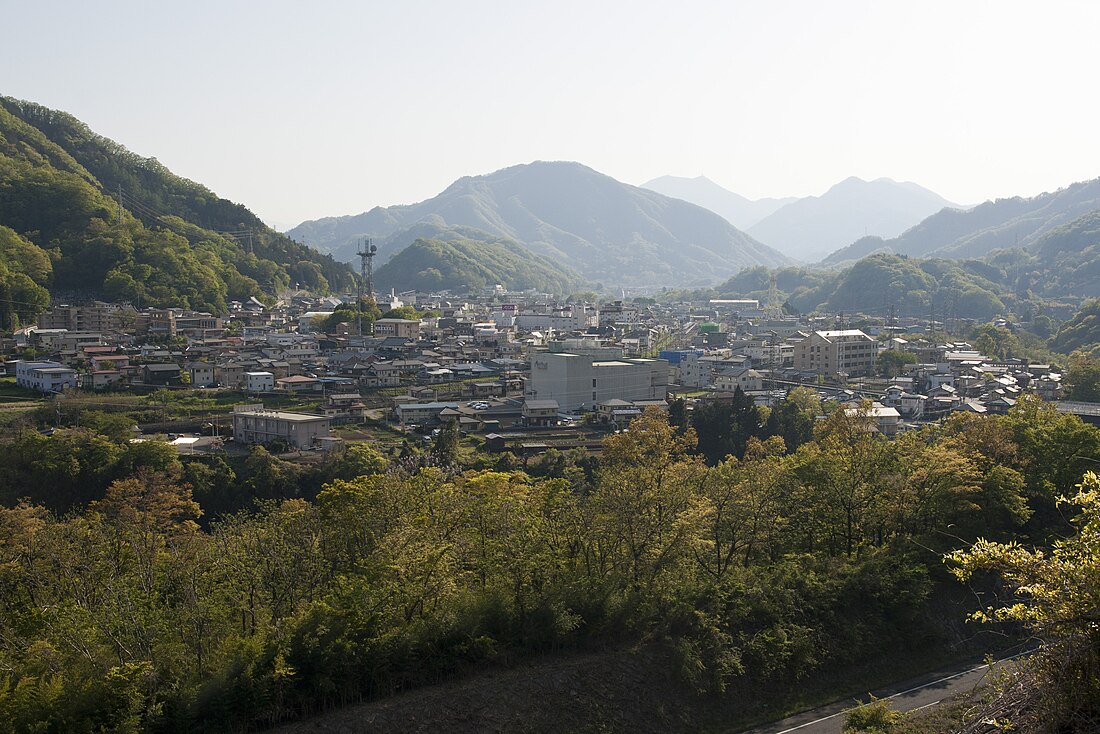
pixel 736 209
pixel 810 228
pixel 1003 223
pixel 607 230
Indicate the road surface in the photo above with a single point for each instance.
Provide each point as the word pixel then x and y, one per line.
pixel 915 694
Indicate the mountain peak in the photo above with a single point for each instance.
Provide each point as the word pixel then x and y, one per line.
pixel 567 212
pixel 811 228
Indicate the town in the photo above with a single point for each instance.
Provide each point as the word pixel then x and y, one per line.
pixel 514 371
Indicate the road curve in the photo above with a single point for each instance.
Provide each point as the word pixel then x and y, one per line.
pixel 927 690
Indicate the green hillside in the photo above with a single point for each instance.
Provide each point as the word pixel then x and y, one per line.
pixel 882 282
pixel 1081 332
pixel 467 264
pixel 171 243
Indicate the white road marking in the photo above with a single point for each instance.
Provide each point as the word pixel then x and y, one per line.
pixel 910 690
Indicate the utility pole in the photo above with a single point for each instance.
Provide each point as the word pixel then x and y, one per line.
pixel 119 220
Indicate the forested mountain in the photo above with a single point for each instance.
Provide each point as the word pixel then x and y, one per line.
pixel 808 229
pixel 171 243
pixel 883 282
pixel 1062 263
pixel 567 212
pixel 1000 224
pixel 738 210
pixel 461 264
pixel 1080 332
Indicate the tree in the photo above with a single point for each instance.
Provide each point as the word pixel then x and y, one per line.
pixel 725 426
pixel 1083 378
pixel 402 312
pixel 648 511
pixel 1055 595
pixel 891 362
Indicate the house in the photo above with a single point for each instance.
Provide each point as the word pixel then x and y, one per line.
pixel 101 379
pixel 345 408
pixel 255 424
pixel 617 412
pixel 540 412
pixel 883 419
pixel 486 389
pixel 201 374
pixel 420 413
pixel 298 383
pixel 162 374
pixel 731 378
pixel 259 381
pixel 230 374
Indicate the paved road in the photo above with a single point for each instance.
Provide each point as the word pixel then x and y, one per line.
pixel 911 695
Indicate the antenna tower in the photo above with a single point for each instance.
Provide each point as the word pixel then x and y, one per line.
pixel 366 254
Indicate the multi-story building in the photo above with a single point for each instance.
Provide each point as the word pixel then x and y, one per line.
pixel 97 316
pixel 578 381
pixel 47 377
pixel 848 351
pixel 401 328
pixel 254 424
pixel 574 317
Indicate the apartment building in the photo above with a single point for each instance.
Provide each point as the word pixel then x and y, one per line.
pixel 830 352
pixel 254 424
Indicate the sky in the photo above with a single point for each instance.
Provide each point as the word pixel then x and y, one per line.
pixel 302 110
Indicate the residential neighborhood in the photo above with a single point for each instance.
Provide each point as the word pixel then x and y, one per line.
pixel 510 365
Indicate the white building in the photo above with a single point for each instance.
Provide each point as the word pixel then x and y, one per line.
pixel 47 377
pixel 259 381
pixel 578 381
pixel 568 318
pixel 731 378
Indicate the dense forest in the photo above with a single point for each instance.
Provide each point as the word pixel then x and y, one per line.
pixel 84 217
pixel 142 591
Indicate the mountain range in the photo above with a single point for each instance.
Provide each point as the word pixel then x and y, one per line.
pixel 809 228
pixel 568 213
pixel 1059 267
pixel 1003 223
pixel 738 210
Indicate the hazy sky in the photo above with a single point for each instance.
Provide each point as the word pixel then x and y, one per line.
pixel 308 109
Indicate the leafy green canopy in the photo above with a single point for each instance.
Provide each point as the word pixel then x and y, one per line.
pixel 165 246
pixel 466 264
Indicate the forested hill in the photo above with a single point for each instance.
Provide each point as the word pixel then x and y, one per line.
pixel 175 243
pixel 1001 224
pixel 464 264
pixel 611 231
